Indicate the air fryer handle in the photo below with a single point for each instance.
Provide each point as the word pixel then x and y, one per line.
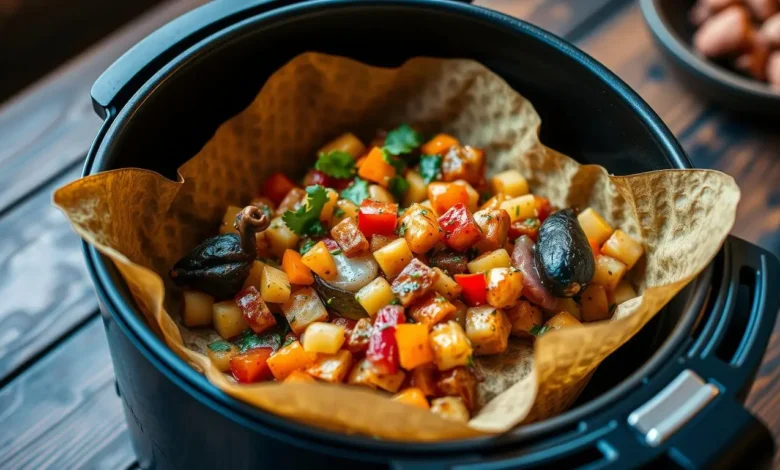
pixel 117 84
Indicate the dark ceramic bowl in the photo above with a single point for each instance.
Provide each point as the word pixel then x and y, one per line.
pixel 668 22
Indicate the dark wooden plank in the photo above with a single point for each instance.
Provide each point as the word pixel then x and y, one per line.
pixel 624 45
pixel 49 127
pixel 39 35
pixel 43 282
pixel 68 397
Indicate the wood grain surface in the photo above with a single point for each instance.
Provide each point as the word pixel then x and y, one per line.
pixel 49 322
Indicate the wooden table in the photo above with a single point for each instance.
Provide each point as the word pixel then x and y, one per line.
pixel 58 407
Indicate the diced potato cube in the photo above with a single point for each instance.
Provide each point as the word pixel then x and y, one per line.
pixel 375 295
pixel 198 309
pixel 349 237
pixel 275 286
pixel 302 309
pixel 624 248
pixel 494 259
pixel 346 143
pixel 609 272
pixel 495 229
pixel 562 320
pixel 380 194
pixel 567 304
pixel 229 219
pixel 594 304
pixel 288 359
pixel 523 317
pixel 446 286
pixel 595 227
pixel 331 368
pixel 228 321
pixel 412 396
pixel 325 338
pixel 520 208
pixel 413 347
pixel 504 287
pixel 220 353
pixel 459 382
pixel 299 377
pixel 451 347
pixel 364 373
pixel 255 277
pixel 394 257
pixel 472 193
pixel 420 228
pixel 509 182
pixel 624 291
pixel 413 282
pixel 327 210
pixel 424 378
pixel 280 237
pixel 488 329
pixel 459 315
pixel 418 190
pixel 344 209
pixel 432 309
pixel 379 241
pixel 320 261
pixel 450 408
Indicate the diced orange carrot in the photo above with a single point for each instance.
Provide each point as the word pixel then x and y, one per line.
pixel 412 396
pixel 445 195
pixel 298 272
pixel 439 144
pixel 594 247
pixel 413 347
pixel 376 169
pixel 299 376
pixel 288 359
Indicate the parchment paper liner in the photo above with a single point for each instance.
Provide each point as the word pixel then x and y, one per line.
pixel 145 222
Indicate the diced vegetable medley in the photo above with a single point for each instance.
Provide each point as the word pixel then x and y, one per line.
pixel 393 265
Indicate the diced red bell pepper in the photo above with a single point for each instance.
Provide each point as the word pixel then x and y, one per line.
pixel 383 350
pixel 256 312
pixel 460 229
pixel 277 186
pixel 543 208
pixel 474 288
pixel 389 315
pixel 251 366
pixel 377 217
pixel 317 177
pixel 529 227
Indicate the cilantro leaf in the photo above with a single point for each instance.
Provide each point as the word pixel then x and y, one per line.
pixel 539 330
pixel 336 163
pixel 356 192
pixel 398 187
pixel 430 167
pixel 220 346
pixel 249 340
pixel 306 219
pixel 402 140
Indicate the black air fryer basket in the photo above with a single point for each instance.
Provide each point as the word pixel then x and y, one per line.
pixel 670 398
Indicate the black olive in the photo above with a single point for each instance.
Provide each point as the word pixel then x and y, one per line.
pixel 562 255
pixel 220 265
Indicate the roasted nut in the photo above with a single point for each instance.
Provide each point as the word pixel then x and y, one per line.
pixel 725 34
